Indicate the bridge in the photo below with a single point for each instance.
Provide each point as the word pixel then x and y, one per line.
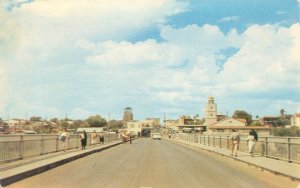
pixel 183 161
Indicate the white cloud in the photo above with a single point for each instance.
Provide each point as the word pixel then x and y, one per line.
pixel 280 12
pixel 189 63
pixel 229 19
pixel 267 59
pixel 67 21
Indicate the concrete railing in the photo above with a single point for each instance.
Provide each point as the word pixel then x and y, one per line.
pixel 15 147
pixel 282 148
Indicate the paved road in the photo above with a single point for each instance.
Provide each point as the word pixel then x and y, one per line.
pixel 158 164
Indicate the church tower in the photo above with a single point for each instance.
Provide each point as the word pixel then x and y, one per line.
pixel 210 112
pixel 128 115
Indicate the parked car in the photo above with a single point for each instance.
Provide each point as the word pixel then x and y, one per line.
pixel 156 136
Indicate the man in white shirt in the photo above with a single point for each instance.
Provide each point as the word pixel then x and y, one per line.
pixel 235 140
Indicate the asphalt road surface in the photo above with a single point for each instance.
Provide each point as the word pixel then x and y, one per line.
pixel 157 164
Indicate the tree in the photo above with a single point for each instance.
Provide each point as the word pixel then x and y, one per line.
pixel 240 114
pixel 115 125
pixel 55 120
pixel 96 121
pixel 34 118
pixel 84 124
pixel 293 131
pixel 64 124
pixel 75 124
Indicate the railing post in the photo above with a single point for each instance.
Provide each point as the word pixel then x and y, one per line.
pixel 266 146
pixel 208 140
pixel 42 145
pixel 77 141
pixel 289 151
pixel 57 138
pixel 214 141
pixel 204 140
pixel 21 147
pixel 220 142
pixel 227 142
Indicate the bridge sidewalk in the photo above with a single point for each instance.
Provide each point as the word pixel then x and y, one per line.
pixel 18 170
pixel 275 166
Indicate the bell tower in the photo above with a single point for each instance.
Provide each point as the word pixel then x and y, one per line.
pixel 210 112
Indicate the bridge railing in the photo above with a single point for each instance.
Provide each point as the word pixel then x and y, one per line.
pixel 15 147
pixel 282 148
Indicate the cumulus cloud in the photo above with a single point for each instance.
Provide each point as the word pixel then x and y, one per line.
pixel 77 46
pixel 267 59
pixel 230 18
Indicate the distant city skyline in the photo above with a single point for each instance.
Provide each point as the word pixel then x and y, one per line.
pixel 83 58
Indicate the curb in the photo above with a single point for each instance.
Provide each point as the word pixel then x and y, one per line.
pixel 31 172
pixel 243 161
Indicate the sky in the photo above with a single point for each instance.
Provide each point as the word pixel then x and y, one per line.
pixel 78 58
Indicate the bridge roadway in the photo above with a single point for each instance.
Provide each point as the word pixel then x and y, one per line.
pixel 154 163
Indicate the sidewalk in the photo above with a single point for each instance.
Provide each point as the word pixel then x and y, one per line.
pixel 284 168
pixel 18 170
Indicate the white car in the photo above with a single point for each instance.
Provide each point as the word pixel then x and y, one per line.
pixel 156 136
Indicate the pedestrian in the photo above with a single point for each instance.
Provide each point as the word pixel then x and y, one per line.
pixel 83 139
pixel 101 137
pixel 93 137
pixel 64 137
pixel 255 135
pixel 251 143
pixel 124 137
pixel 129 137
pixel 235 140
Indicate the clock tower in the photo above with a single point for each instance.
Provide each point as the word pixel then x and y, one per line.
pixel 210 112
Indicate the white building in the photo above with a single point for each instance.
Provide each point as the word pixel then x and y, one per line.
pixel 134 127
pixel 232 122
pixel 295 120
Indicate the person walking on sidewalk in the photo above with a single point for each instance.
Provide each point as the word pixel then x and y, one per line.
pixel 93 137
pixel 235 140
pixel 101 137
pixel 251 143
pixel 64 137
pixel 255 135
pixel 83 139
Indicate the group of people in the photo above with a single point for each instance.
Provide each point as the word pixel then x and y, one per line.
pixel 64 138
pixel 125 137
pixel 83 138
pixel 235 140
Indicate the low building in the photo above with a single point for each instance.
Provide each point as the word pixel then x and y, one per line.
pixel 225 127
pixel 91 129
pixel 134 128
pixel 269 120
pixel 295 120
pixel 192 128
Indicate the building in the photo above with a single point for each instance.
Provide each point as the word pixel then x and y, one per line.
pixel 128 115
pixel 295 120
pixel 225 126
pixel 91 129
pixel 269 120
pixel 143 127
pixel 220 124
pixel 15 125
pixel 134 128
pixel 210 112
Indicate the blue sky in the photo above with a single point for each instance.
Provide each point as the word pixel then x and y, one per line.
pixel 81 58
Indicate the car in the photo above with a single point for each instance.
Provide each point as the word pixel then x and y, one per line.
pixel 156 136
